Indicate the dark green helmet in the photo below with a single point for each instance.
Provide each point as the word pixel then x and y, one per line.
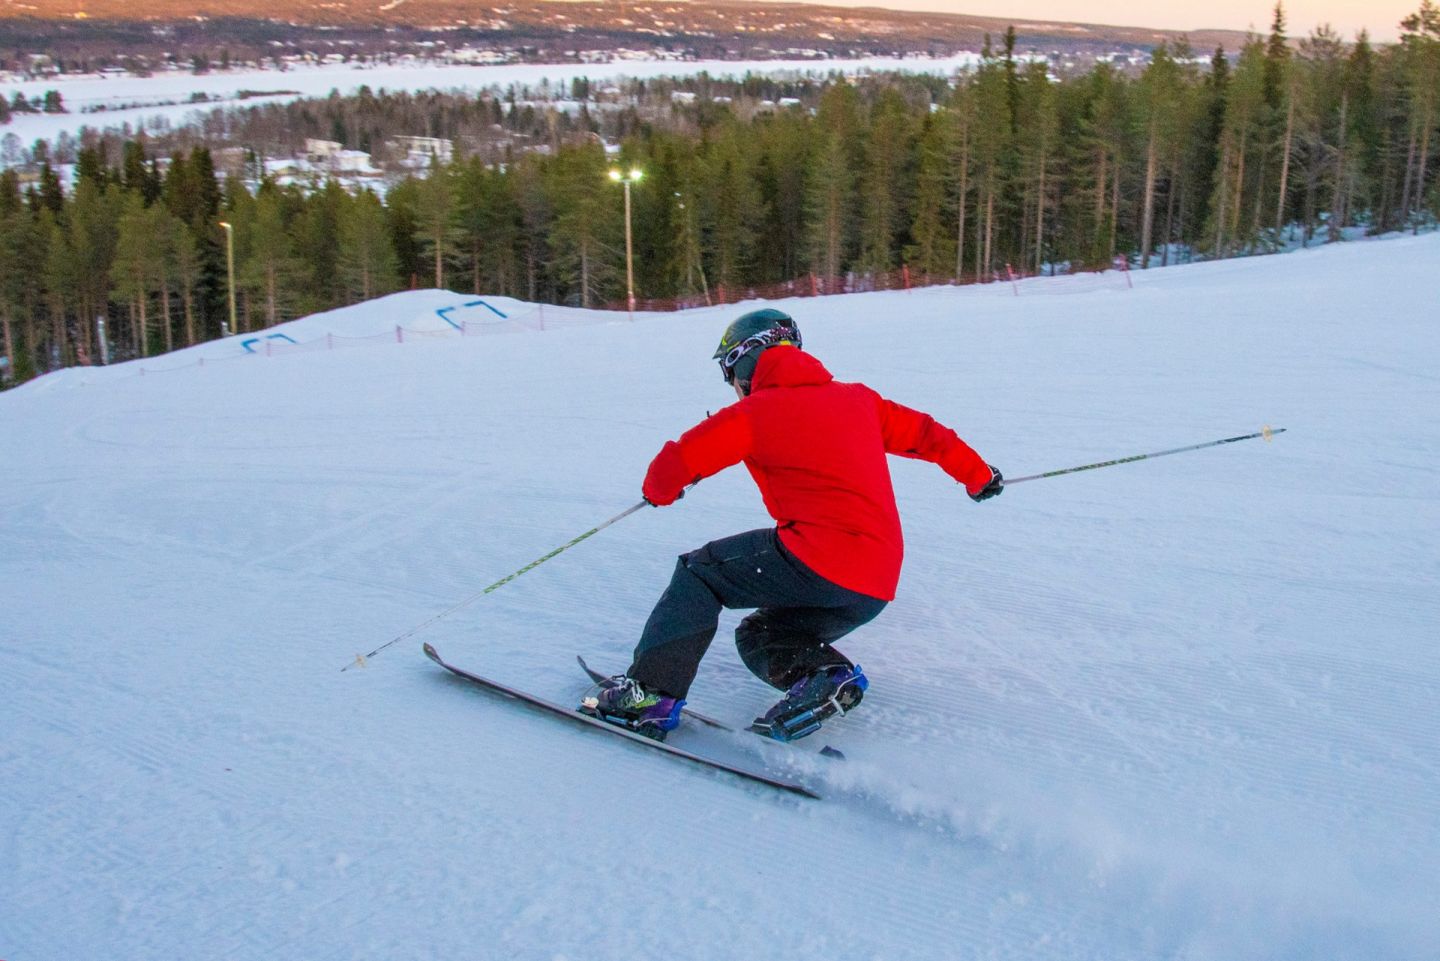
pixel 748 337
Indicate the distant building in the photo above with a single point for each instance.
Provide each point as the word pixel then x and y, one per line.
pixel 353 162
pixel 331 156
pixel 417 151
pixel 321 151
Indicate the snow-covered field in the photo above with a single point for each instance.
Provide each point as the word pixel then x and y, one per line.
pixel 156 102
pixel 1185 708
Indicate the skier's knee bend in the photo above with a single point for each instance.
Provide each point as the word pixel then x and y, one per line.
pixel 777 653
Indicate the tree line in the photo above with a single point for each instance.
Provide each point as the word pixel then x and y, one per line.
pixel 1005 165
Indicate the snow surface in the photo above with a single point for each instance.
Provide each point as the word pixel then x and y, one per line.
pixel 1185 708
pixel 150 102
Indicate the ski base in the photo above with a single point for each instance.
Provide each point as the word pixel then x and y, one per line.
pixel 599 725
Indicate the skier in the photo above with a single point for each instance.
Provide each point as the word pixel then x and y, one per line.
pixel 816 448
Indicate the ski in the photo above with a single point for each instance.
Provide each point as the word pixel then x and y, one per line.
pixel 599 678
pixel 599 725
pixel 826 751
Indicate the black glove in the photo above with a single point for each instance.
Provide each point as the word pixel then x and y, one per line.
pixel 995 488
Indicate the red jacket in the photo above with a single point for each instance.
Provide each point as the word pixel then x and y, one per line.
pixel 816 448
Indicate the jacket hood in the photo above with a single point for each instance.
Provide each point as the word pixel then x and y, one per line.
pixel 785 366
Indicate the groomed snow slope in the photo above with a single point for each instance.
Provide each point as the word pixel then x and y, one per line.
pixel 1185 708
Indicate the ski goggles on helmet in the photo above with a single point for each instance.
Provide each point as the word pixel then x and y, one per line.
pixel 766 338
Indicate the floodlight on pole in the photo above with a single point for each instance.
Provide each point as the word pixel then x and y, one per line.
pixel 230 267
pixel 626 179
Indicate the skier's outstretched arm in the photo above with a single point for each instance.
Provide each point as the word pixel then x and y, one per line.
pixel 719 441
pixel 911 433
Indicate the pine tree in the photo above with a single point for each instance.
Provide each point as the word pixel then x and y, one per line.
pixel 731 206
pixel 829 205
pixel 686 262
pixel 268 271
pixel 90 235
pixel 136 174
pixel 367 264
pixel 1037 147
pixel 16 275
pixel 830 200
pixel 435 230
pixel 90 165
pixel 782 168
pixel 187 265
pixel 932 247
pixel 1360 160
pixel 314 231
pixel 487 225
pixel 135 269
pixel 51 195
pixel 587 235
pixel 1420 46
pixel 883 201
pixel 536 214
pixel 1158 102
pixel 1237 181
pixel 1282 100
pixel 962 109
pixel 994 154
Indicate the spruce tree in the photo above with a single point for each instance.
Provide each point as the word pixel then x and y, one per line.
pixel 784 139
pixel 731 206
pixel 962 109
pixel 994 156
pixel 134 269
pixel 269 272
pixel 90 234
pixel 1420 53
pixel 1238 179
pixel 883 180
pixel 367 264
pixel 1037 147
pixel 830 189
pixel 586 239
pixel 931 251
pixel 1159 98
pixel 435 213
pixel 16 273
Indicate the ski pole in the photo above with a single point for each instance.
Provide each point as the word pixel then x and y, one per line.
pixel 1266 433
pixel 362 659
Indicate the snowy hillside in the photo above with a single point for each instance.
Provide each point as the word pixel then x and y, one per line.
pixel 1185 708
pixel 158 102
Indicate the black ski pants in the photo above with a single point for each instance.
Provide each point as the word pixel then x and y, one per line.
pixel 798 614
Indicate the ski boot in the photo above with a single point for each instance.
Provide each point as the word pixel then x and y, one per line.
pixel 621 700
pixel 832 690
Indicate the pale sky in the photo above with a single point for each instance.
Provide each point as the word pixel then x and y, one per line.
pixel 1381 17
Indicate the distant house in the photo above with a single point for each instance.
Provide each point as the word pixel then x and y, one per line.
pixel 417 151
pixel 322 151
pixel 332 156
pixel 353 162
pixel 230 161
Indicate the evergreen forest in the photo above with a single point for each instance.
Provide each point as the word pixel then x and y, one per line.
pixel 1005 169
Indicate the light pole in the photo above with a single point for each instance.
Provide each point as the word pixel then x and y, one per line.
pixel 627 179
pixel 230 266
